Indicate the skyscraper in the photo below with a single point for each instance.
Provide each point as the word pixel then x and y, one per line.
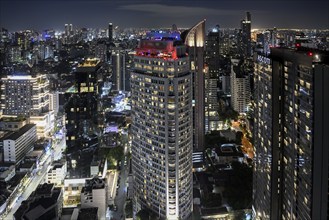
pixel 110 32
pixel 194 39
pixel 212 60
pixel 161 94
pixel 81 104
pixel 71 29
pixel 246 35
pixel 240 87
pixel 68 29
pixel 120 76
pixel 291 135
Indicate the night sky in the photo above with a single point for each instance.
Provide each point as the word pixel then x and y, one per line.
pixel 44 14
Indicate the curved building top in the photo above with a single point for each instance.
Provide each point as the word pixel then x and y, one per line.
pixel 195 37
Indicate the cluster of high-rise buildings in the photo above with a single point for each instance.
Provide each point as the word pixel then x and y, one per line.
pixel 179 86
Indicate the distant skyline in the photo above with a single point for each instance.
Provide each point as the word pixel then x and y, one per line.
pixel 45 14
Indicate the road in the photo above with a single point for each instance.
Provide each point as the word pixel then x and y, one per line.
pixel 120 198
pixel 58 148
pixel 35 180
pixel 247 147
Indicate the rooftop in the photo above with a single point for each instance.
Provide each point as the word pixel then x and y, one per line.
pixel 305 54
pixel 90 62
pixel 164 48
pixel 13 119
pixel 20 132
pixel 26 165
pixel 44 189
pixel 88 65
pixel 88 213
pixel 229 150
pixel 95 183
pixel 36 207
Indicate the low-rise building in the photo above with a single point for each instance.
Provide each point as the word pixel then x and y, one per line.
pixel 94 194
pixel 44 203
pixel 6 173
pixel 44 122
pixel 98 168
pixel 16 145
pixel 88 213
pixel 79 213
pixel 198 162
pixel 57 174
pixel 12 123
pixel 72 191
pixel 228 153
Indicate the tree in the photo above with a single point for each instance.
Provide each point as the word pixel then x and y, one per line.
pixel 112 155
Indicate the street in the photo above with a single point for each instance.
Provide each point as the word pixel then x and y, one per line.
pixel 35 180
pixel 120 197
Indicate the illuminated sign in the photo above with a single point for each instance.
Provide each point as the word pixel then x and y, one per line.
pixel 262 59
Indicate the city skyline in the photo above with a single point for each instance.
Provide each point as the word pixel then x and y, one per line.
pixel 54 14
pixel 174 110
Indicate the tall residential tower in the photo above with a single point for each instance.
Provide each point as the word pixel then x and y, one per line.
pixel 212 60
pixel 161 93
pixel 291 134
pixel 246 35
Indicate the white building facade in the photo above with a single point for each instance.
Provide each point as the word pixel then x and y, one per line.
pixel 94 194
pixel 240 88
pixel 57 174
pixel 16 145
pixel 161 88
pixel 24 94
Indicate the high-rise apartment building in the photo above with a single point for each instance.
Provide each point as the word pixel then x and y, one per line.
pixel 121 68
pixel 118 70
pixel 246 35
pixel 81 104
pixel 101 51
pixel 110 32
pixel 212 74
pixel 161 94
pixel 68 29
pixel 25 95
pixel 194 39
pixel 291 135
pixel 240 87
